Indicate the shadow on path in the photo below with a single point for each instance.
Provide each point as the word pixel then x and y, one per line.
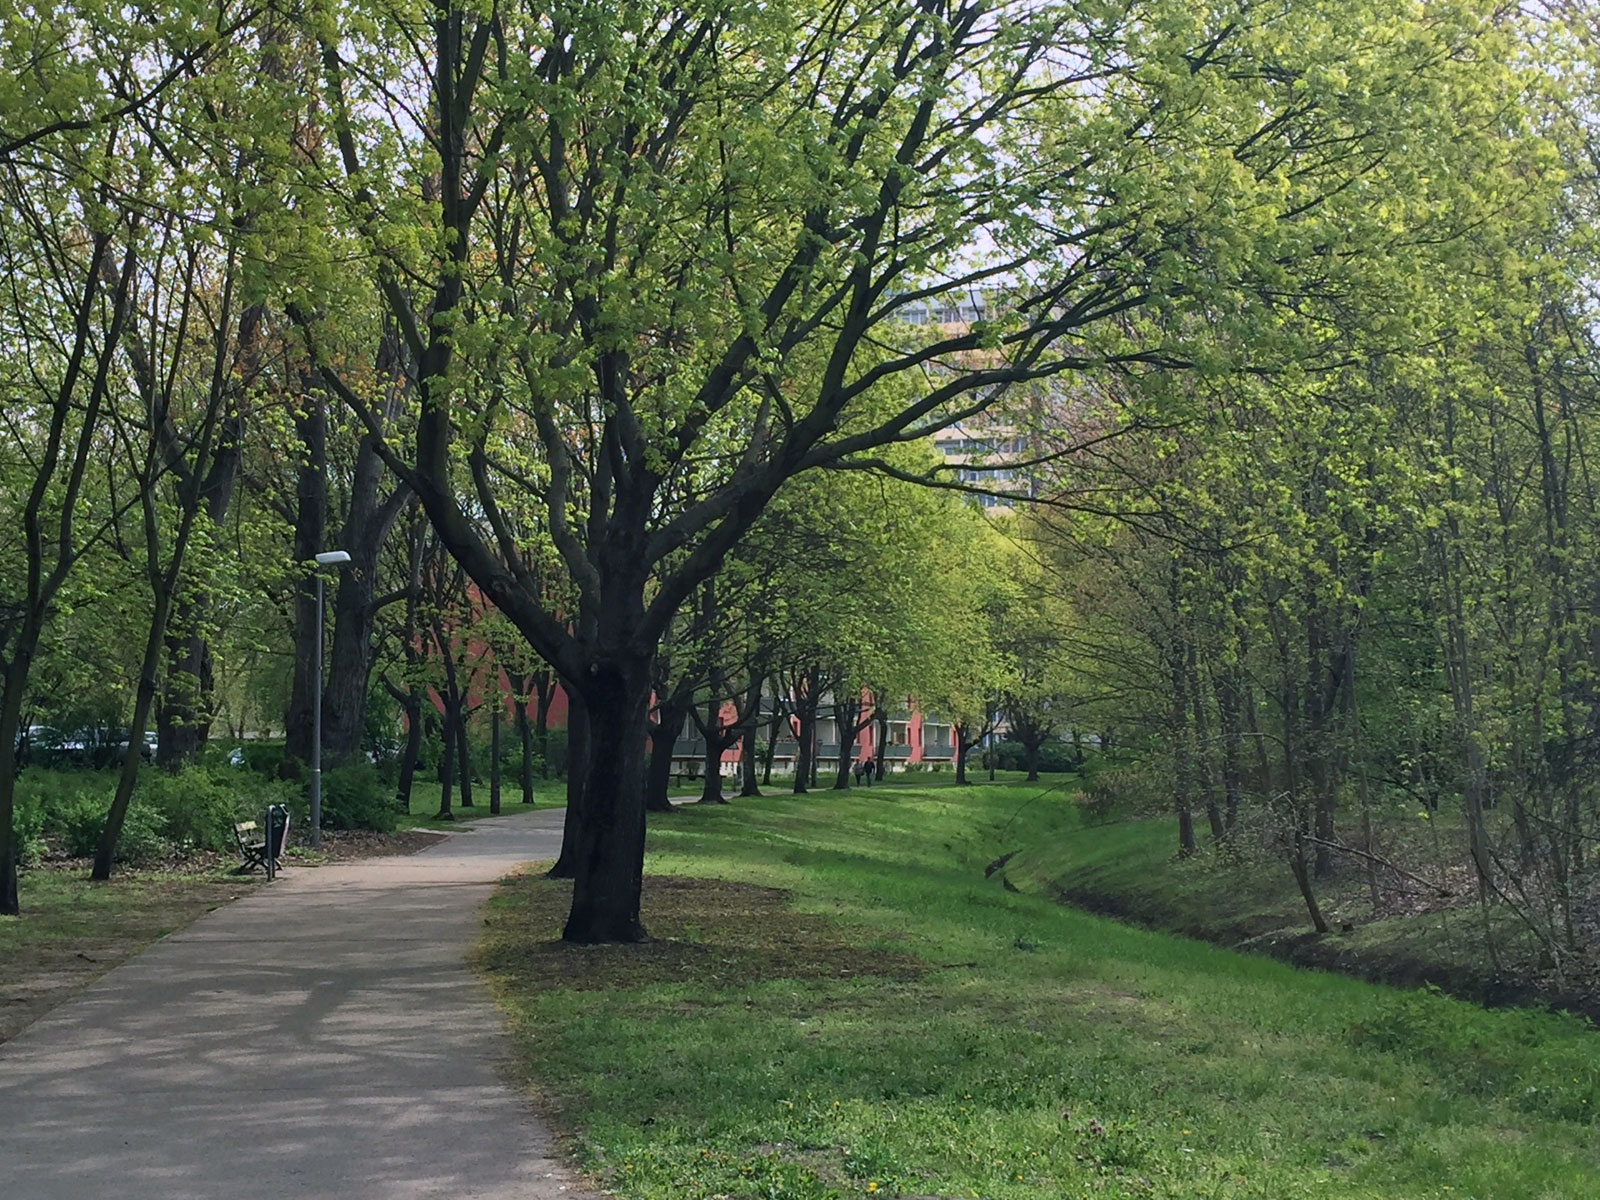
pixel 321 1037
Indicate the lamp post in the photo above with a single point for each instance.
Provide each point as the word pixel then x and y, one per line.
pixel 328 558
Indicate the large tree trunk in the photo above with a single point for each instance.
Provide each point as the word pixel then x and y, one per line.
pixel 494 758
pixel 16 682
pixel 1181 764
pixel 311 506
pixel 184 715
pixel 544 687
pixel 964 745
pixel 747 741
pixel 1227 688
pixel 663 740
pixel 525 741
pixel 711 789
pixel 355 608
pixel 805 710
pixel 446 762
pixel 183 718
pixel 1202 747
pixel 844 718
pixel 779 719
pixel 566 864
pixel 350 655
pixel 463 753
pixel 658 776
pixel 609 861
pixel 411 700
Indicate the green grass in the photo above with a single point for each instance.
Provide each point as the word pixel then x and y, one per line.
pixel 894 1023
pixel 1244 896
pixel 424 808
pixel 72 931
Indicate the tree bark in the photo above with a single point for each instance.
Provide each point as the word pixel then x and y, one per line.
pixel 1202 746
pixel 566 864
pixel 609 860
pixel 411 701
pixel 183 717
pixel 446 763
pixel 965 741
pixel 1227 687
pixel 779 719
pixel 664 730
pixel 808 697
pixel 494 756
pixel 1181 766
pixel 310 516
pixel 16 682
pixel 525 740
pixel 747 742
pixel 463 752
pixel 711 789
pixel 544 687
pixel 844 718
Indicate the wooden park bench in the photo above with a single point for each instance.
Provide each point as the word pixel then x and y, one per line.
pixel 255 853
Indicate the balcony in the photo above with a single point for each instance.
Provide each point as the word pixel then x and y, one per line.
pixel 900 752
pixel 689 748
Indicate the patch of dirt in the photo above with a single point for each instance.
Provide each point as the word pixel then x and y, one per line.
pixel 708 933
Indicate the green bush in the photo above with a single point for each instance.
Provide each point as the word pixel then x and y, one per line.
pixel 264 758
pixel 143 838
pixel 78 819
pixel 73 806
pixel 171 812
pixel 1054 756
pixel 27 826
pixel 197 807
pixel 1125 791
pixel 252 794
pixel 354 797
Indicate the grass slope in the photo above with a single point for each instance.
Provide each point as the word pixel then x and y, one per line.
pixel 858 1011
pixel 1247 898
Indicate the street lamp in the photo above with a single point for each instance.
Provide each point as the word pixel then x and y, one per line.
pixel 328 558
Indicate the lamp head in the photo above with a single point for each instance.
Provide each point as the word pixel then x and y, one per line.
pixel 332 558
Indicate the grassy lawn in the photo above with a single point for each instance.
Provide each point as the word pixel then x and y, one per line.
pixel 1243 896
pixel 72 931
pixel 424 811
pixel 840 1004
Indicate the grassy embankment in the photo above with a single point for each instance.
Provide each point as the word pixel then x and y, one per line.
pixel 891 1022
pixel 1242 896
pixel 72 931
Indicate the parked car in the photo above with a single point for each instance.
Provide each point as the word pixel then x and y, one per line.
pixel 36 744
pixel 86 747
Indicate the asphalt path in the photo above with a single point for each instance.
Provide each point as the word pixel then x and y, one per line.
pixel 321 1037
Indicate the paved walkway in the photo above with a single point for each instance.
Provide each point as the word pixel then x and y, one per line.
pixel 321 1037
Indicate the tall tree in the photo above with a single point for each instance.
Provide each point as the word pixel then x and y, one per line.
pixel 819 190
